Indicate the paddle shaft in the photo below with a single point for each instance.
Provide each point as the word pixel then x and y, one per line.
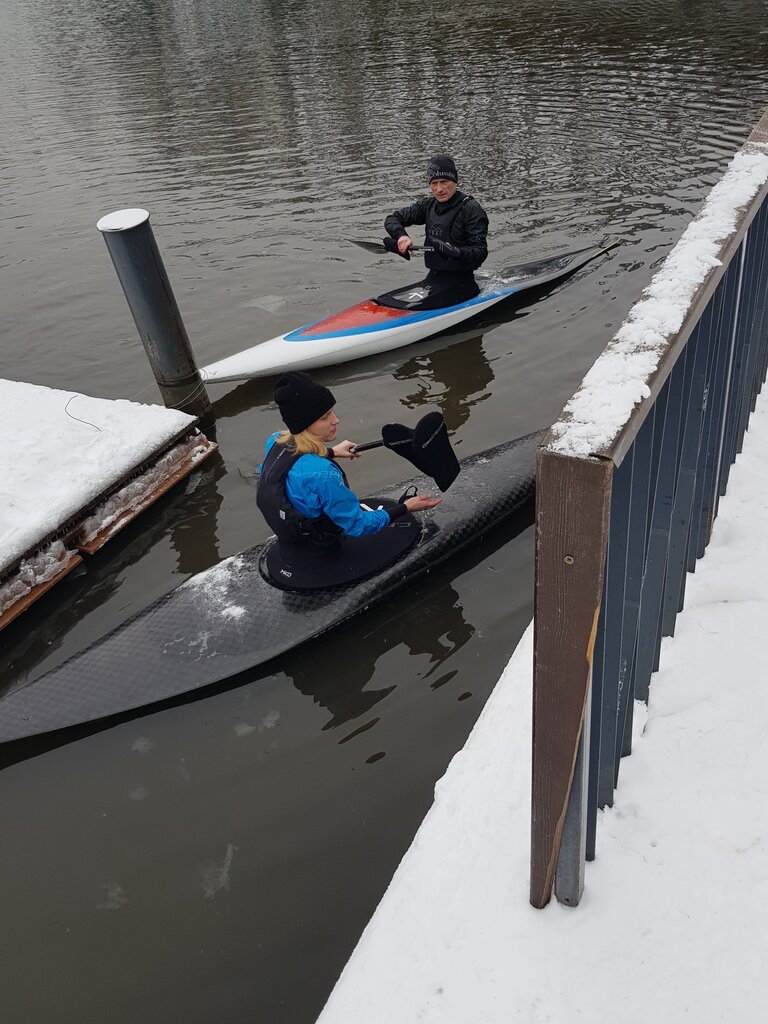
pixel 367 447
pixel 358 448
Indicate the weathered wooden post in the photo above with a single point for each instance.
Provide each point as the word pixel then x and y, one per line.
pixel 573 500
pixel 133 249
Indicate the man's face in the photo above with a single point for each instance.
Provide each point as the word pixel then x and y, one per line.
pixel 442 189
pixel 324 429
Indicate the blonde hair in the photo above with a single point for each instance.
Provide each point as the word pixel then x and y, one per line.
pixel 303 443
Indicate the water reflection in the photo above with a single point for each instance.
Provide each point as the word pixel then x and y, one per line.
pixel 438 631
pixel 194 532
pixel 244 397
pixel 454 378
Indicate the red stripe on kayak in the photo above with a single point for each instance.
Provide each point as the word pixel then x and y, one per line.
pixel 362 315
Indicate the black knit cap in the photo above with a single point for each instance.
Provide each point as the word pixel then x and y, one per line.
pixel 301 401
pixel 442 166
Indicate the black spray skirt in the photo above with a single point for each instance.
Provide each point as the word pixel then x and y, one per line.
pixel 301 567
pixel 437 290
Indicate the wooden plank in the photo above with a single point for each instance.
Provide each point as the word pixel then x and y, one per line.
pixel 181 468
pixel 572 516
pixel 74 559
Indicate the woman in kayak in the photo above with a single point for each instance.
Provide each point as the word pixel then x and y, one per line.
pixel 324 535
pixel 456 228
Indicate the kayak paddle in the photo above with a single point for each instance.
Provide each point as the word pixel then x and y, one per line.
pixel 388 245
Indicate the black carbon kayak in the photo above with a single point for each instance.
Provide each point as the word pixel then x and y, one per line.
pixel 230 618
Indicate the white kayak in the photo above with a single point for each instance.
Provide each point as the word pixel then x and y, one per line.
pixel 371 327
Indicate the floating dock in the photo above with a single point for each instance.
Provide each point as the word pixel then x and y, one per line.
pixel 80 470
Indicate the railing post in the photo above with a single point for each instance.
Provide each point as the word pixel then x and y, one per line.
pixel 133 249
pixel 572 510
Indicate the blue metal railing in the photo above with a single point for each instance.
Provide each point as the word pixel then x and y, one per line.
pixel 664 501
pixel 648 502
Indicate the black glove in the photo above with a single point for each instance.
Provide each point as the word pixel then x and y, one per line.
pixel 390 244
pixel 448 249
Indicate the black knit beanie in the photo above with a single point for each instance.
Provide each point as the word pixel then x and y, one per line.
pixel 442 166
pixel 301 401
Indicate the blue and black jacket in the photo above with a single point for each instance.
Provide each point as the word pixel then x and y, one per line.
pixel 305 499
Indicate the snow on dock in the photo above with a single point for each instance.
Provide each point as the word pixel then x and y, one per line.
pixel 78 471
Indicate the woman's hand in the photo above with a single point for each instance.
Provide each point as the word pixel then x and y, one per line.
pixel 404 243
pixel 421 502
pixel 343 450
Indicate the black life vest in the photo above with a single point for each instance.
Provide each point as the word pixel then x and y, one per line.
pixel 315 554
pixel 289 526
pixel 440 218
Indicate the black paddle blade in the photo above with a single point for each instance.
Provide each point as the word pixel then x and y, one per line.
pixel 388 245
pixel 376 247
pixel 428 447
pixel 433 446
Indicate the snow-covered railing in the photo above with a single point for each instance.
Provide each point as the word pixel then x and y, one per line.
pixel 628 483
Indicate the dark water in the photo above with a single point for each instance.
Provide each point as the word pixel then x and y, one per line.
pixel 218 859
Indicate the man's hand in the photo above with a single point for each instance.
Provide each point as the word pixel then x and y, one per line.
pixel 404 243
pixel 343 450
pixel 444 248
pixel 421 502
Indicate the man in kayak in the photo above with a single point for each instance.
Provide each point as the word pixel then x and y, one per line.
pixel 456 228
pixel 304 497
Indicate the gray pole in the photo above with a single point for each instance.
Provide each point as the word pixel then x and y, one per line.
pixel 569 874
pixel 140 269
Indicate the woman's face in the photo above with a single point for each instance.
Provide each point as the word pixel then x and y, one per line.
pixel 324 429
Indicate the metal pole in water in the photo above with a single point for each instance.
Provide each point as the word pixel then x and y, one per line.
pixel 133 249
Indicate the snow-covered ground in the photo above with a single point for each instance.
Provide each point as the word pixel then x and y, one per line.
pixel 67 449
pixel 671 927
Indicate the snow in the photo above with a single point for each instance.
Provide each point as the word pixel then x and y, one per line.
pixel 672 923
pixel 122 220
pixel 67 450
pixel 618 380
pixel 211 588
pixel 31 572
pixel 138 492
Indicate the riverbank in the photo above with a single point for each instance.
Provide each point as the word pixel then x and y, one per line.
pixel 671 925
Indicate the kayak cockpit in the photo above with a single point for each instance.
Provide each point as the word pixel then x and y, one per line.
pixel 307 567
